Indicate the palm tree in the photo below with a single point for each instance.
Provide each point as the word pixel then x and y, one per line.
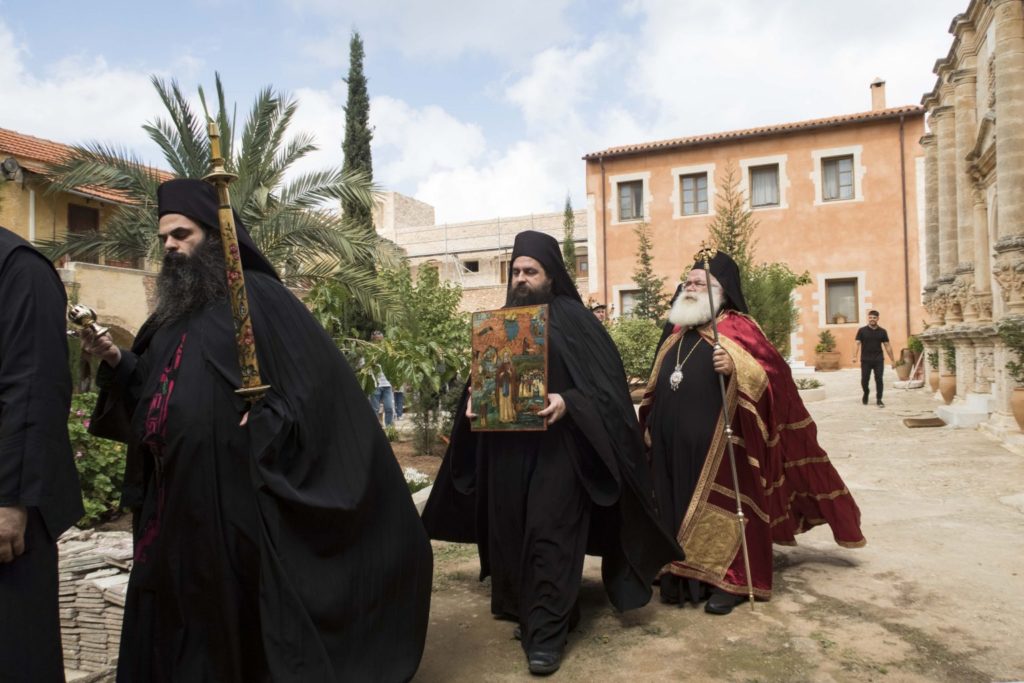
pixel 288 219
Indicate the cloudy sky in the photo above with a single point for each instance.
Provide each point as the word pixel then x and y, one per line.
pixel 481 108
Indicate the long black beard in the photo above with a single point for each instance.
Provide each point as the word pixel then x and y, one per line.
pixel 187 283
pixel 523 295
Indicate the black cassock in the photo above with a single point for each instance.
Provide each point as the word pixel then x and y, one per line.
pixel 536 503
pixel 286 550
pixel 36 466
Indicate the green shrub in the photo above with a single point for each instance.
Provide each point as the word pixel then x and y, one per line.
pixel 768 289
pixel 100 463
pixel 914 344
pixel 826 342
pixel 1011 331
pixel 933 359
pixel 635 338
pixel 807 383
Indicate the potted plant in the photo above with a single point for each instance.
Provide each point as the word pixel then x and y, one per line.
pixel 902 366
pixel 827 358
pixel 947 379
pixel 1011 331
pixel 933 369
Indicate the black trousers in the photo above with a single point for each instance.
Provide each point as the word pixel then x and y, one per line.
pixel 866 368
pixel 30 649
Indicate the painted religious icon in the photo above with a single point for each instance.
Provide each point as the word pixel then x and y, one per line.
pixel 510 369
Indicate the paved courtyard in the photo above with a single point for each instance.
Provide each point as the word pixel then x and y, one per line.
pixel 937 594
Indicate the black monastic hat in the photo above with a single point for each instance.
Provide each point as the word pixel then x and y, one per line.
pixel 544 248
pixel 197 199
pixel 727 273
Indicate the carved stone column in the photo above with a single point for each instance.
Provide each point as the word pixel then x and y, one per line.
pixel 966 129
pixel 982 295
pixel 945 135
pixel 931 208
pixel 984 369
pixel 964 366
pixel 1008 18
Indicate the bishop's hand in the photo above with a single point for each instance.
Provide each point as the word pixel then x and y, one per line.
pixel 723 362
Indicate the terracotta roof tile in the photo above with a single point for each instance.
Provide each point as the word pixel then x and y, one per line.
pixel 35 154
pixel 763 131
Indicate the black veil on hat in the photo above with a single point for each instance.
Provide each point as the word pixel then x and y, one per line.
pixel 544 248
pixel 727 273
pixel 197 199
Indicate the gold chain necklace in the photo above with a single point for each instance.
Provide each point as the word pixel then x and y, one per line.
pixel 676 378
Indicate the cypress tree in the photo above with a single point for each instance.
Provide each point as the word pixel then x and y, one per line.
pixel 357 130
pixel 568 239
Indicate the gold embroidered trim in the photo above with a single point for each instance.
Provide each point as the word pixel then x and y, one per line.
pixel 718 488
pixel 807 461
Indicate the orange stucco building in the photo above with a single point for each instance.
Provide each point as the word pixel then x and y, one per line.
pixel 839 197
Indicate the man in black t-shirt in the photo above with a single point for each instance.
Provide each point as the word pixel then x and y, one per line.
pixel 871 339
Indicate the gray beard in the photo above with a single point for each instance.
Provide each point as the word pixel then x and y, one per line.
pixel 523 295
pixel 691 309
pixel 187 283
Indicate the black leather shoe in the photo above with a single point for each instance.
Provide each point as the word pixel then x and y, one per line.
pixel 544 663
pixel 518 633
pixel 722 603
pixel 880 404
pixel 865 399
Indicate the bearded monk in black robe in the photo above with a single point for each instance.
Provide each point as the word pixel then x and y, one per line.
pixel 276 541
pixel 536 503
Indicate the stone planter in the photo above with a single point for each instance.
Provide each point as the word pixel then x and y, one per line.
pixel 826 361
pixel 812 395
pixel 903 371
pixel 947 387
pixel 1017 406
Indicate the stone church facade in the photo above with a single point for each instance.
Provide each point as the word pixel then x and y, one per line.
pixel 974 215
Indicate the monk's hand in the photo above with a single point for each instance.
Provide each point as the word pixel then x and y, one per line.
pixel 470 415
pixel 723 362
pixel 555 409
pixel 13 520
pixel 102 347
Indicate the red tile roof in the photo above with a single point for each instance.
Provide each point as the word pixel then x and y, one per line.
pixel 35 154
pixel 763 131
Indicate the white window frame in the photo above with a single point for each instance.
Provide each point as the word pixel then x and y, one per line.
pixel 818 157
pixel 677 192
pixel 745 166
pixel 613 200
pixel 821 303
pixel 617 292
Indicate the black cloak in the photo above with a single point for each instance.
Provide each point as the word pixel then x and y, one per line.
pixel 608 461
pixel 288 549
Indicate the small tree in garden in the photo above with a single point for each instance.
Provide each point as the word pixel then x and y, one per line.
pixel 767 287
pixel 635 339
pixel 651 300
pixel 568 243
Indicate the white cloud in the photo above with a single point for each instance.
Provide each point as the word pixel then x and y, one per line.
pixel 76 100
pixel 750 63
pixel 416 142
pixel 441 31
